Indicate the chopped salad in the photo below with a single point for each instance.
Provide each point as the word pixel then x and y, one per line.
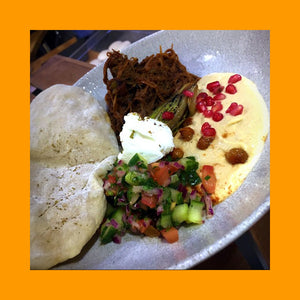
pixel 155 199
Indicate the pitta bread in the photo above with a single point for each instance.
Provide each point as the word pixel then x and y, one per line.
pixel 67 206
pixel 71 146
pixel 69 127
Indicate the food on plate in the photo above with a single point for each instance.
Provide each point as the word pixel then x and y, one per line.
pixel 141 87
pixel 174 112
pixel 186 144
pixel 69 127
pixel 72 146
pixel 149 137
pixel 153 199
pixel 219 122
pixel 67 205
pixel 227 132
pixel 219 125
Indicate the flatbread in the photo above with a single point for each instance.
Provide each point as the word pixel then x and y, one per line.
pixel 67 206
pixel 71 147
pixel 69 127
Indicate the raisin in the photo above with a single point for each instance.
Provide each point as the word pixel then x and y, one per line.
pixel 177 153
pixel 236 156
pixel 186 133
pixel 204 142
pixel 188 121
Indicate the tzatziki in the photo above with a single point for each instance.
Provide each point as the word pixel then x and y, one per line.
pixel 148 137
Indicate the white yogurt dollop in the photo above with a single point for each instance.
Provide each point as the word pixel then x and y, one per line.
pixel 148 137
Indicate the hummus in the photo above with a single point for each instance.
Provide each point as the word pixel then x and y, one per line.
pixel 247 130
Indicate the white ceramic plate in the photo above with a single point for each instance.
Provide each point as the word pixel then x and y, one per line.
pixel 202 52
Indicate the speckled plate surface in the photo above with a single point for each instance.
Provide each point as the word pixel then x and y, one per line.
pixel 202 52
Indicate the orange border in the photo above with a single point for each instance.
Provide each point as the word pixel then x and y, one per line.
pixel 17 281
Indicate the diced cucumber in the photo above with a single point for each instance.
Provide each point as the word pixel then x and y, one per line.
pixel 179 213
pixel 166 221
pixel 176 196
pixel 166 194
pixel 136 178
pixel 108 231
pixel 174 179
pixel 109 210
pixel 118 216
pixel 132 196
pixel 137 160
pixel 194 214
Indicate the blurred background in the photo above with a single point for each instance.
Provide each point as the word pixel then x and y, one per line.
pixel 63 56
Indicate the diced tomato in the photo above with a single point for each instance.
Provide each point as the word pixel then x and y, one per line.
pixel 111 179
pixel 143 225
pixel 208 178
pixel 173 168
pixel 148 200
pixel 160 174
pixel 171 235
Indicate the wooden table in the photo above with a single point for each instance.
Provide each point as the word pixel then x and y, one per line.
pixel 58 69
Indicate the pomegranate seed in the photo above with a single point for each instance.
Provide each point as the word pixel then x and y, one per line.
pixel 204 126
pixel 188 93
pixel 209 101
pixel 201 107
pixel 234 78
pixel 209 131
pixel 208 113
pixel 232 106
pixel 230 89
pixel 202 102
pixel 202 95
pixel 237 111
pixel 234 109
pixel 217 116
pixel 219 96
pixel 167 115
pixel 218 90
pixel 217 107
pixel 213 85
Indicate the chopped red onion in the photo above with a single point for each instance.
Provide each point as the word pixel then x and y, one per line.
pixel 178 165
pixel 182 189
pixel 134 168
pixel 162 163
pixel 117 239
pixel 130 219
pixel 159 195
pixel 159 209
pixel 106 185
pixel 208 205
pixel 122 199
pixel 121 173
pixel 154 191
pixel 114 223
pixel 193 195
